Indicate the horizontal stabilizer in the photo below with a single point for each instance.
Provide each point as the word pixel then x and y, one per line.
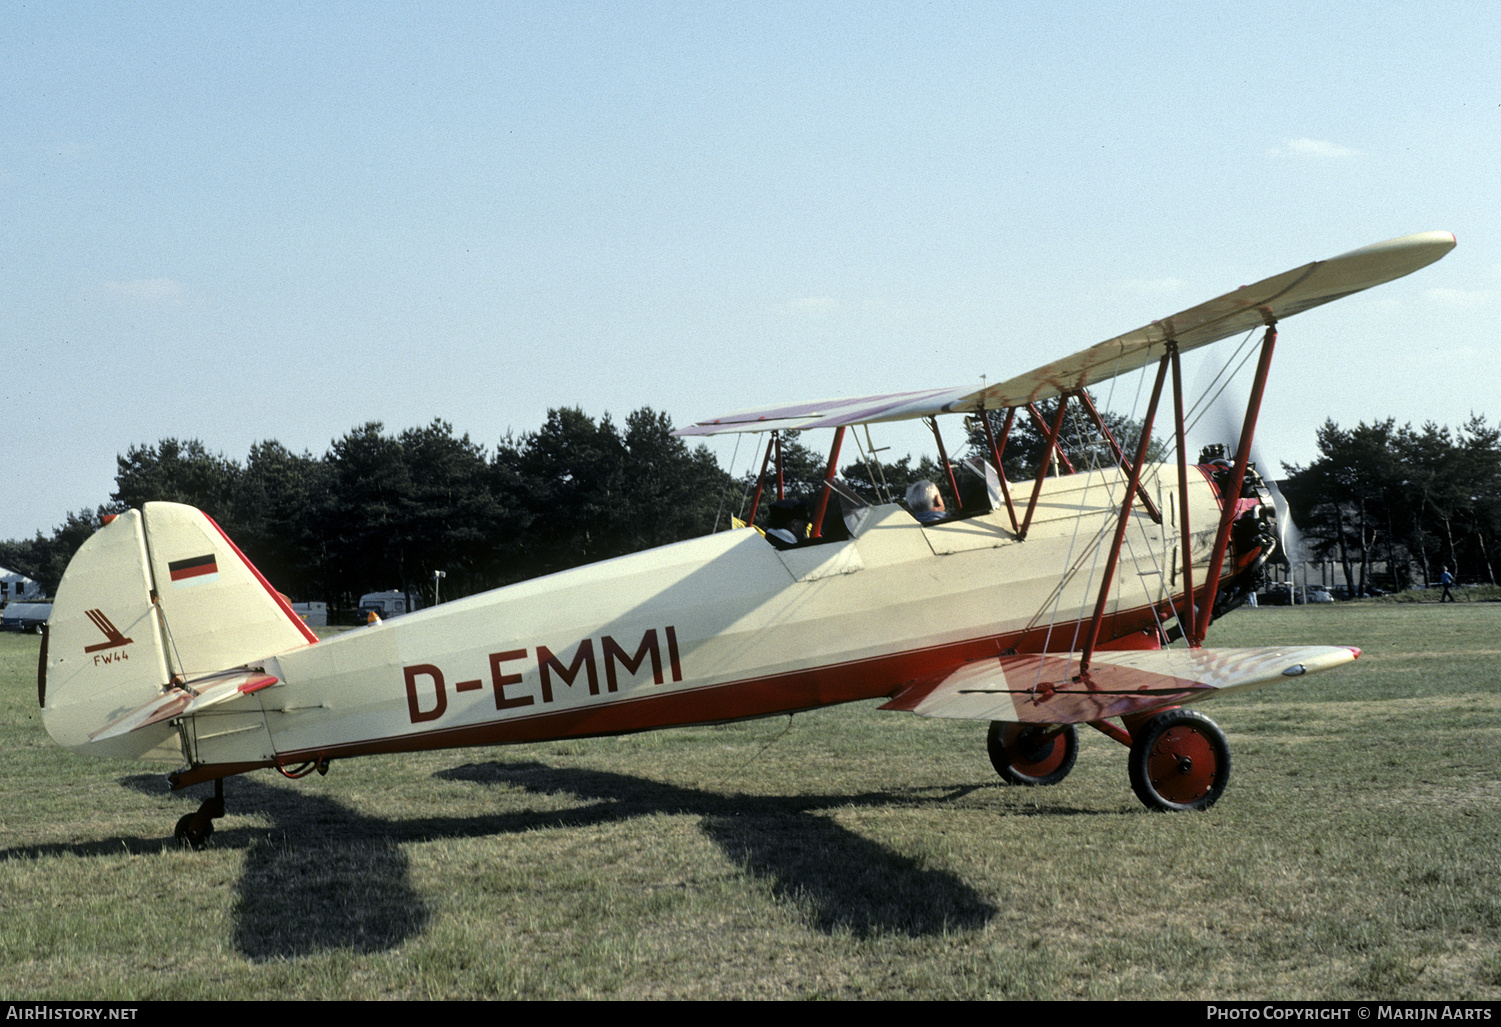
pixel 185 700
pixel 1048 689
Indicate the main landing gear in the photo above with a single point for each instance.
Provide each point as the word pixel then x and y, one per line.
pixel 1032 754
pixel 195 829
pixel 1179 759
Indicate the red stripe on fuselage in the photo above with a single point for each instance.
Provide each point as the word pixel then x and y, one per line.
pixel 878 677
pixel 873 678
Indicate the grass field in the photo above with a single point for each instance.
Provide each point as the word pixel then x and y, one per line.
pixel 844 853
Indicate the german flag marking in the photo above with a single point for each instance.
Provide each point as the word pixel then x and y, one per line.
pixel 194 570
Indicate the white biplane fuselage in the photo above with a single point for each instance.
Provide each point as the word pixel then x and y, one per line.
pixel 165 642
pixel 706 630
pixel 711 629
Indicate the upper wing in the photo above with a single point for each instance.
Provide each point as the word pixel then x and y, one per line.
pixel 894 406
pixel 1044 689
pixel 1248 307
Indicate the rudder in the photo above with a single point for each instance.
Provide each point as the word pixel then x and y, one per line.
pixel 220 612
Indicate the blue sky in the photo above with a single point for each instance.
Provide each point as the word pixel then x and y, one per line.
pixel 244 222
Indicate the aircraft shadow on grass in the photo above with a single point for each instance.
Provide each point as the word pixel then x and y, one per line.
pixel 323 878
pixel 847 882
pixel 326 877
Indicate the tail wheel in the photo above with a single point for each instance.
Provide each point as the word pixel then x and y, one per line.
pixel 194 830
pixel 1025 754
pixel 1179 760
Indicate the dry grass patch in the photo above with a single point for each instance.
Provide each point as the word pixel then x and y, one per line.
pixel 845 853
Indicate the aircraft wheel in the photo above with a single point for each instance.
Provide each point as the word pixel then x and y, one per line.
pixel 1023 754
pixel 194 830
pixel 1179 760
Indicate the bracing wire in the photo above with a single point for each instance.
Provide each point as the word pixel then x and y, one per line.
pixel 1074 538
pixel 885 491
pixel 1201 406
pixel 729 484
pixel 1128 544
pixel 1111 499
pixel 877 484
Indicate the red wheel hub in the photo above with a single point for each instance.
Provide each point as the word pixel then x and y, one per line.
pixel 1183 765
pixel 1036 756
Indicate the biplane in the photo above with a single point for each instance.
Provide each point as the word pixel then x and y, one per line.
pixel 1081 597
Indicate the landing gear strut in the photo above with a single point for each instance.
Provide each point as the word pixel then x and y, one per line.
pixel 195 829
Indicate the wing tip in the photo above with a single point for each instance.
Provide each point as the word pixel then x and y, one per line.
pixel 1423 248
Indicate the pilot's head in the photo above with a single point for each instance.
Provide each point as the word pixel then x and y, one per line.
pixel 924 495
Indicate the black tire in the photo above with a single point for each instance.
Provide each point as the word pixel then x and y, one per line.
pixel 1024 754
pixel 1179 761
pixel 194 830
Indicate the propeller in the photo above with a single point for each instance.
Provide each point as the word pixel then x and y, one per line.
pixel 1288 535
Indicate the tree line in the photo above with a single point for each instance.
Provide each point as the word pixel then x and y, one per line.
pixel 1412 500
pixel 381 510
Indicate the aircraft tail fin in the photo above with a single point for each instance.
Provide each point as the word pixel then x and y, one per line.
pixel 153 598
pixel 219 611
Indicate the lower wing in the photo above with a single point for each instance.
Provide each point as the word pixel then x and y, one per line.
pixel 1048 688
